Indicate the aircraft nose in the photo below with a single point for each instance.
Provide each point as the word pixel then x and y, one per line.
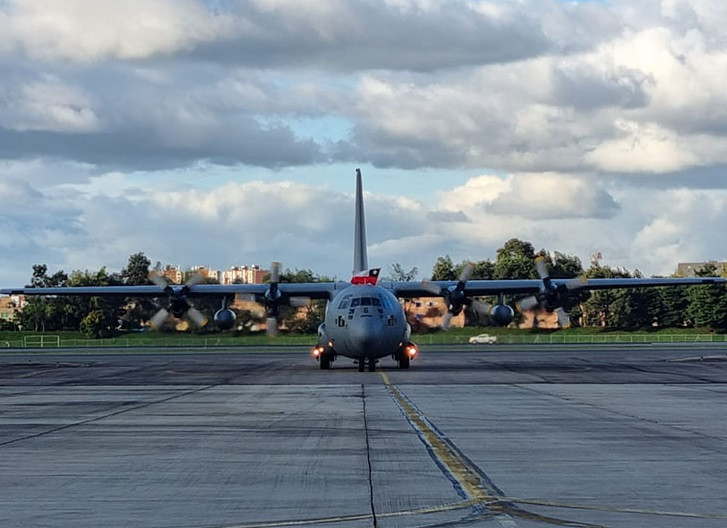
pixel 366 333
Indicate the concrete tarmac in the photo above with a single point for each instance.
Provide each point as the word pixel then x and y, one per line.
pixel 514 436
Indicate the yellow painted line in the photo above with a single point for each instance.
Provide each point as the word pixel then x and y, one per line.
pixel 476 491
pixel 459 468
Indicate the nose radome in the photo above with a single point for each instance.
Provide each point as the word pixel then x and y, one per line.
pixel 366 333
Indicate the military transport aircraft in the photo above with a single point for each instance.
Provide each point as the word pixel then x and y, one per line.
pixel 364 319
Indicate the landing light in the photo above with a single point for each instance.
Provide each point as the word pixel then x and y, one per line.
pixel 412 351
pixel 317 351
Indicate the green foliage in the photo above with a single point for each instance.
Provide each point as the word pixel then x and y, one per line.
pixel 314 315
pixel 515 260
pixel 708 304
pixel 136 271
pixel 44 313
pixel 444 269
pixel 704 306
pixel 96 325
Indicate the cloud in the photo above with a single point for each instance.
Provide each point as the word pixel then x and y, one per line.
pixel 90 31
pixel 535 196
pixel 48 104
pixel 133 126
pixel 141 123
pixel 650 148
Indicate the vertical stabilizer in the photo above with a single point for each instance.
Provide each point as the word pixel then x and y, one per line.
pixel 360 260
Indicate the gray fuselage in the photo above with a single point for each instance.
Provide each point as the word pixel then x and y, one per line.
pixel 364 321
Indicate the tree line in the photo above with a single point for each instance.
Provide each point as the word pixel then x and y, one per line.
pixel 700 306
pixel 628 308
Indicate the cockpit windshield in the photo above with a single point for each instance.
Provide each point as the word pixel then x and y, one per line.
pixel 365 301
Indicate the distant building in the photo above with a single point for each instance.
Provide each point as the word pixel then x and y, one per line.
pixel 205 272
pixel 174 274
pixel 690 269
pixel 243 274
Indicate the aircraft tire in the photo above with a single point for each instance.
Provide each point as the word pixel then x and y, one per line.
pixel 372 365
pixel 325 360
pixel 362 365
pixel 404 362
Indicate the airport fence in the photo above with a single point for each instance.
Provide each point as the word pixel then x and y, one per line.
pixel 575 339
pixel 47 341
pixel 55 341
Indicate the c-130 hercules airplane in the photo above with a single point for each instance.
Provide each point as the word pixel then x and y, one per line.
pixel 364 319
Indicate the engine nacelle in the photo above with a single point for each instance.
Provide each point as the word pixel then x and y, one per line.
pixel 502 314
pixel 225 319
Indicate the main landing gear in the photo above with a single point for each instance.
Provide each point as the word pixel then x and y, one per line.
pixel 325 356
pixel 405 354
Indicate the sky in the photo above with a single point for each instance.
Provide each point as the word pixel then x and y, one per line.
pixel 227 132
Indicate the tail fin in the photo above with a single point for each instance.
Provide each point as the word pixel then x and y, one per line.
pixel 360 259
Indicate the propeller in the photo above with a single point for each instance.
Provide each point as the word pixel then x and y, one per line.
pixel 178 304
pixel 551 296
pixel 272 300
pixel 455 298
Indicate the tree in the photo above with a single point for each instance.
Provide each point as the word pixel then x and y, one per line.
pixel 315 310
pixel 564 266
pixel 136 271
pixel 484 270
pixel 515 260
pixel 444 269
pixel 138 309
pixel 708 304
pixel 602 307
pixel 41 279
pixel 42 313
pixel 399 275
pixel 672 306
pixel 96 325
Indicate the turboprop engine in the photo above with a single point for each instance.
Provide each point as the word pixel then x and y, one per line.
pixel 502 314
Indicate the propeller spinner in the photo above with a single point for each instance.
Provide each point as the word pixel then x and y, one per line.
pixel 178 304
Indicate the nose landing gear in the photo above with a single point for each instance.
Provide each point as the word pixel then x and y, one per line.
pixel 371 362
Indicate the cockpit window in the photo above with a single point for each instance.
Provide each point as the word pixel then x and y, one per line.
pixel 362 301
pixel 385 302
pixel 344 303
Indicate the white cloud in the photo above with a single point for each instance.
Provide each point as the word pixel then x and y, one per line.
pixel 87 31
pixel 535 196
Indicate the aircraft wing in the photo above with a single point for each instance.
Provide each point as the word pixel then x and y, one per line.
pixel 477 288
pixel 313 290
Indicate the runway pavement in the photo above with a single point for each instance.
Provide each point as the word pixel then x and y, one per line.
pixel 513 436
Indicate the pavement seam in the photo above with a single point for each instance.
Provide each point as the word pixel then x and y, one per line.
pixel 104 416
pixel 368 456
pixel 471 483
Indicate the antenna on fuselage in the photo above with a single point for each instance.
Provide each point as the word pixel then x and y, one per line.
pixel 360 259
